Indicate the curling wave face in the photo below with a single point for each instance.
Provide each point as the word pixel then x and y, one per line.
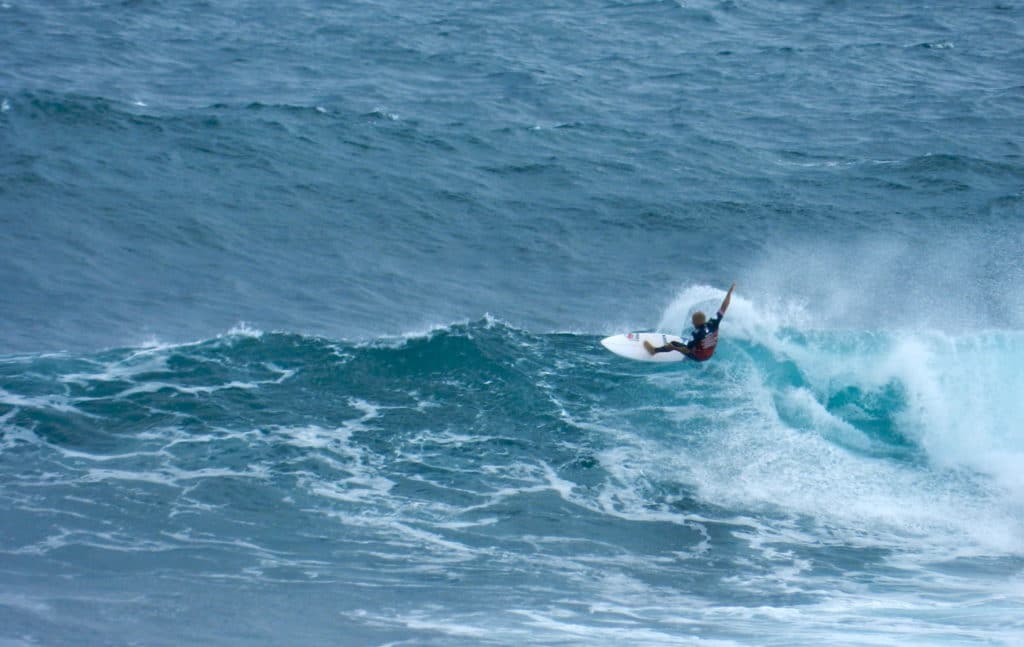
pixel 801 474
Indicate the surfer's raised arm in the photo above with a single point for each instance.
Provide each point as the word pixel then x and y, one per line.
pixel 728 298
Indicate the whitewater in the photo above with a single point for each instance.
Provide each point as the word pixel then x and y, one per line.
pixel 482 484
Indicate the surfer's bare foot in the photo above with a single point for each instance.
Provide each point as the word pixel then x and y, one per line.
pixel 650 347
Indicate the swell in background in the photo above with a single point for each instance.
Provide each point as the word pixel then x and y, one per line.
pixel 330 172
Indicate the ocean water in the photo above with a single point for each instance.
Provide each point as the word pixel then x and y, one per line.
pixel 301 307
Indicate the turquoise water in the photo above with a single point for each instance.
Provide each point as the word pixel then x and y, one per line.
pixel 302 307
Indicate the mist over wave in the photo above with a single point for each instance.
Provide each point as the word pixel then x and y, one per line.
pixel 913 393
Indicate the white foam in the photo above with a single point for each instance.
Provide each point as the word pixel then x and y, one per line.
pixel 963 407
pixel 102 458
pixel 52 402
pixel 7 417
pixel 173 476
pixel 126 369
pixel 111 540
pixel 12 435
pixel 965 404
pixel 390 116
pixel 154 387
pixel 243 329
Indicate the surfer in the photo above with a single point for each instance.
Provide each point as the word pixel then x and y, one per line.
pixel 705 335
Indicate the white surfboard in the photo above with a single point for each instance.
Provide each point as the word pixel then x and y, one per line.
pixel 631 346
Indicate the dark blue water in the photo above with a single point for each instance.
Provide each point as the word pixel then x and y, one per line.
pixel 301 308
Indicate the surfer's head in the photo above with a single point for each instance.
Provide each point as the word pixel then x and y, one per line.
pixel 699 319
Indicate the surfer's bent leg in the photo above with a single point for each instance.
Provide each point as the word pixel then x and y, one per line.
pixel 672 345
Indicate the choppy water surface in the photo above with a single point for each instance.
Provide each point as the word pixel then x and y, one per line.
pixel 301 310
